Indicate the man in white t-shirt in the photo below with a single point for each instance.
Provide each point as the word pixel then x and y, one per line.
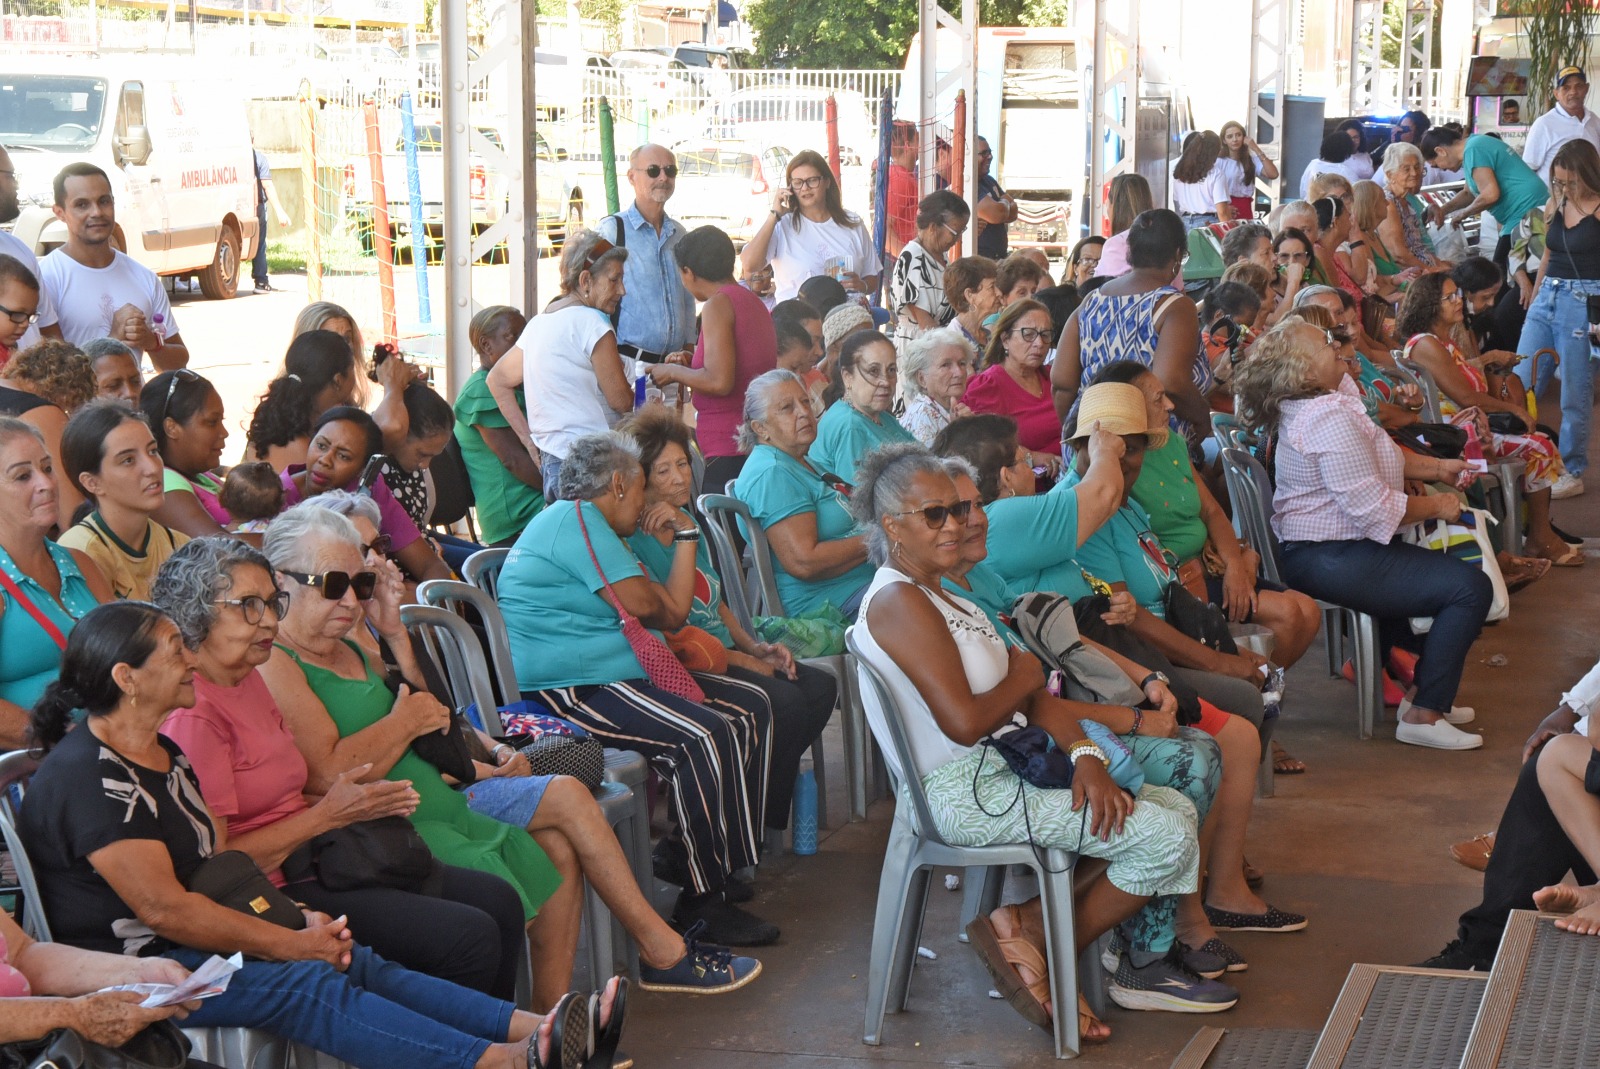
pixel 10 208
pixel 100 292
pixel 1569 120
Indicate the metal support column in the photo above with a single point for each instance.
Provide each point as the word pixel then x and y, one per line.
pixel 1416 56
pixel 1366 55
pixel 462 81
pixel 1269 82
pixel 1115 95
pixel 963 75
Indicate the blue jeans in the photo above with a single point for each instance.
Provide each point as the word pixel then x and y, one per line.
pixel 1395 582
pixel 375 1015
pixel 1195 222
pixel 258 266
pixel 1559 319
pixel 550 468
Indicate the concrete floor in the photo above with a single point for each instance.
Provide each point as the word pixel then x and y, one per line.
pixel 1358 844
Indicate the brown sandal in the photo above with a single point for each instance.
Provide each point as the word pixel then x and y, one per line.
pixel 1087 1020
pixel 1006 958
pixel 1283 764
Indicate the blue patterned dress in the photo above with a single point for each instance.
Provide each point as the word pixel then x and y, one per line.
pixel 1114 327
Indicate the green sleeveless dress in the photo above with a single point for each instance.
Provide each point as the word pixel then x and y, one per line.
pixel 455 834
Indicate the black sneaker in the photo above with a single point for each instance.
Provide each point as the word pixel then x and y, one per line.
pixel 265 287
pixel 737 891
pixel 1455 955
pixel 670 863
pixel 1168 984
pixel 726 924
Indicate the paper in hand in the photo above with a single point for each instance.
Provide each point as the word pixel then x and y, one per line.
pixel 209 979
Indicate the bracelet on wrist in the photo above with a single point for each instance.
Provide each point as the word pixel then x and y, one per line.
pixel 692 534
pixel 1087 749
pixel 1138 719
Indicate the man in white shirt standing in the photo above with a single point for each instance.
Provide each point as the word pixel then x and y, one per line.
pixel 10 208
pixel 100 292
pixel 1567 121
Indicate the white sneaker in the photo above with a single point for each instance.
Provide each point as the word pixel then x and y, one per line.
pixel 1458 714
pixel 1569 485
pixel 1439 735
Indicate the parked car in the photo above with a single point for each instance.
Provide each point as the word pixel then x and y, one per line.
pixel 727 183
pixel 794 116
pixel 429 58
pixel 659 79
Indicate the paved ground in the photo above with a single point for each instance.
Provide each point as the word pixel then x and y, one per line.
pixel 1358 844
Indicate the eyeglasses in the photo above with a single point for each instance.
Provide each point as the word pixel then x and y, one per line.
pixel 805 183
pixel 1030 334
pixel 380 545
pixel 655 169
pixel 936 515
pixel 254 608
pixel 953 231
pixel 1453 295
pixel 332 585
pixel 9 174
pixel 878 374
pixel 21 319
pixel 183 374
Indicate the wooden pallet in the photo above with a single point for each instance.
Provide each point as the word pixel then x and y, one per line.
pixel 1541 1005
pixel 1247 1048
pixel 1393 1017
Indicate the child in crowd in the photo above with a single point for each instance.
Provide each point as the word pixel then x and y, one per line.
pixel 253 495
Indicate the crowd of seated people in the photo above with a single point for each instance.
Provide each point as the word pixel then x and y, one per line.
pixel 229 643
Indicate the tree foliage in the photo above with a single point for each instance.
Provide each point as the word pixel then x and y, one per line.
pixel 867 34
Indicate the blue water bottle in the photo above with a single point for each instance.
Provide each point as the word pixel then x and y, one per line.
pixel 805 811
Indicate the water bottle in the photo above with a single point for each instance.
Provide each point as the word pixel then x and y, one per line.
pixel 158 327
pixel 805 811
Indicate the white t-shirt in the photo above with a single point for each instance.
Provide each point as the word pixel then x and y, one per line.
pixel 1321 166
pixel 816 249
pixel 558 380
pixel 1202 197
pixel 1234 171
pixel 13 247
pixel 87 297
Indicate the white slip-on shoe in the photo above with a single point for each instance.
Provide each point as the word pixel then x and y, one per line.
pixel 1458 714
pixel 1568 485
pixel 1439 735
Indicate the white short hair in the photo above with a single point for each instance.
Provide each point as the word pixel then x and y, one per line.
pixel 1398 153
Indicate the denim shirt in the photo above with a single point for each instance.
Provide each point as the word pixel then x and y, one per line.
pixel 657 312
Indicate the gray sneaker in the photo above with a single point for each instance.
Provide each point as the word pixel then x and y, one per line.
pixel 1169 984
pixel 1201 960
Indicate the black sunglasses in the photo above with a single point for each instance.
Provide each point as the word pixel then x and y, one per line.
pixel 332 585
pixel 935 515
pixel 655 169
pixel 182 374
pixel 380 545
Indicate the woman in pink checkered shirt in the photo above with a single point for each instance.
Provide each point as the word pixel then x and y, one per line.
pixel 1339 504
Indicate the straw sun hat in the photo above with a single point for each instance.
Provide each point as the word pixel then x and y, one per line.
pixel 1119 407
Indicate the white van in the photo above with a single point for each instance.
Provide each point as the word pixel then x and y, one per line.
pixel 174 143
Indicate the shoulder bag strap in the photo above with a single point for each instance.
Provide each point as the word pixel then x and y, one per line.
pixel 616 602
pixel 621 242
pixel 34 611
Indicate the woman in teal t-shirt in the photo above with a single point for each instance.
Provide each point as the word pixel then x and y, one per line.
pixel 865 381
pixel 818 557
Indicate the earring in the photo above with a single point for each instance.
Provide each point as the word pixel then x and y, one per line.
pixel 894 550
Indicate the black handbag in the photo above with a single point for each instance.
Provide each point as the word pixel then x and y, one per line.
pixel 1199 620
pixel 451 751
pixel 1089 610
pixel 233 879
pixel 1445 441
pixel 386 852
pixel 159 1046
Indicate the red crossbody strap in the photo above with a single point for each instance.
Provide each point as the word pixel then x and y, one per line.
pixel 34 611
pixel 616 602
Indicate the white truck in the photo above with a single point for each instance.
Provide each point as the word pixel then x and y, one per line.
pixel 173 141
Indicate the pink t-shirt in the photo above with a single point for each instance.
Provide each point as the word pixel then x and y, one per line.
pixel 1114 259
pixel 1038 426
pixel 755 351
pixel 397 522
pixel 250 771
pixel 12 983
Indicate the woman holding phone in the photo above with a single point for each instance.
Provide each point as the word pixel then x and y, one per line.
pixel 809 233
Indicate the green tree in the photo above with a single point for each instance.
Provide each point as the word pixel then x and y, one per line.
pixel 868 34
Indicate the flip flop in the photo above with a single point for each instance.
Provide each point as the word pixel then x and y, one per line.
pixel 1521 571
pixel 603 1039
pixel 1005 958
pixel 1284 764
pixel 1570 559
pixel 569 1035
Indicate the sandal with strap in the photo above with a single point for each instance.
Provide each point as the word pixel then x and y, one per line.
pixel 1285 764
pixel 603 1038
pixel 1006 958
pixel 1087 1020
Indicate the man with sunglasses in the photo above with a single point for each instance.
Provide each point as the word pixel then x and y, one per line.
pixel 43 325
pixel 100 291
pixel 656 318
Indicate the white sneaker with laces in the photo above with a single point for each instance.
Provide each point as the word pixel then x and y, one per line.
pixel 1569 485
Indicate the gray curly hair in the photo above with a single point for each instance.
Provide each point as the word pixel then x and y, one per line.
pixel 196 577
pixel 883 486
pixel 757 400
pixel 954 466
pixel 296 534
pixel 593 460
pixel 349 504
pixel 920 354
pixel 576 256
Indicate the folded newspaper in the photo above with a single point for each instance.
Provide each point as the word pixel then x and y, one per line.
pixel 208 980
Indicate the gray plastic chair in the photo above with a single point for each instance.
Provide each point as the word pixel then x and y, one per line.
pixel 454 646
pixel 915 845
pixel 1251 492
pixel 1230 433
pixel 728 514
pixel 246 1048
pixel 482 569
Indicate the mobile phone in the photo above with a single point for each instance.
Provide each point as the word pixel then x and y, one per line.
pixel 381 352
pixel 369 474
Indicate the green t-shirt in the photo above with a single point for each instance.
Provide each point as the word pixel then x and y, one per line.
pixel 505 503
pixel 1167 492
pixel 657 560
pixel 1521 188
pixel 1126 550
pixel 777 486
pixel 563 633
pixel 1033 543
pixel 844 436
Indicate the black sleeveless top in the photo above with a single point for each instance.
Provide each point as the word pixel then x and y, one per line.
pixel 16 402
pixel 1574 251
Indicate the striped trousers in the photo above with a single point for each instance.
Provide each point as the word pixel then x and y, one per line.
pixel 713 759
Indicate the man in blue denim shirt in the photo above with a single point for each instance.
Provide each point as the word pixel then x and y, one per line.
pixel 657 317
